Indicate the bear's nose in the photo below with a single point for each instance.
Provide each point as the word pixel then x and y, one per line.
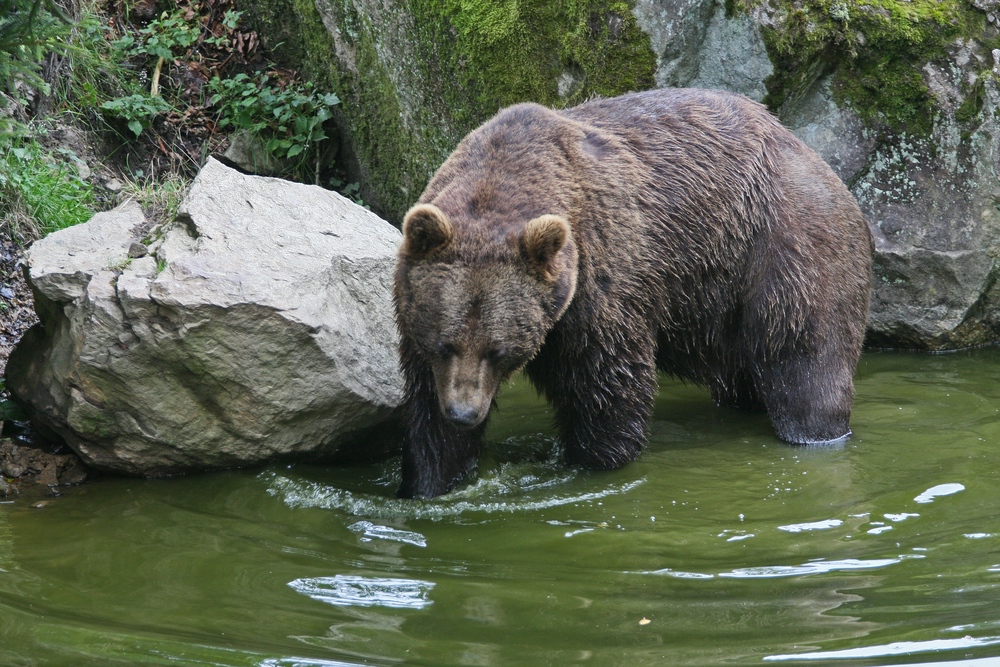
pixel 462 416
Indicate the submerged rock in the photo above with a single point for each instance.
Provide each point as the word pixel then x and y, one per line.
pixel 258 327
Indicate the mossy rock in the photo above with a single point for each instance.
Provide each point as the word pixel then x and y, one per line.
pixel 875 49
pixel 416 76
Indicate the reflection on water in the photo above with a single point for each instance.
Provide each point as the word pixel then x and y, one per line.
pixel 930 494
pixel 372 531
pixel 772 571
pixel 720 545
pixel 895 648
pixel 6 551
pixel 355 591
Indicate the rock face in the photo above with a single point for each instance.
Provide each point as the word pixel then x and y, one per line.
pixel 899 97
pixel 415 77
pixel 931 195
pixel 258 327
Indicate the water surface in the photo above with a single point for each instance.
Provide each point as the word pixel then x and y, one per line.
pixel 720 546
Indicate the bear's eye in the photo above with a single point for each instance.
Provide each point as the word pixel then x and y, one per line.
pixel 445 350
pixel 497 355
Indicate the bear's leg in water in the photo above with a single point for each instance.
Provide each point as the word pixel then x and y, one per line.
pixel 436 454
pixel 603 399
pixel 809 396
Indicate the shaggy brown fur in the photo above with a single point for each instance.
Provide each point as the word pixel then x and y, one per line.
pixel 684 230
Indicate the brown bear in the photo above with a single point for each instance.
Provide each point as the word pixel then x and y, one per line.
pixel 680 230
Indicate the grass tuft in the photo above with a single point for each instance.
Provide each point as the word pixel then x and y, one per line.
pixel 40 191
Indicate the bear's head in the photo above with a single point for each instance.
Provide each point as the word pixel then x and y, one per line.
pixel 477 302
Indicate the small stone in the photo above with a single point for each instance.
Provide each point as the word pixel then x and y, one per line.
pixel 113 185
pixel 13 469
pixel 137 250
pixel 6 292
pixel 42 503
pixel 82 169
pixel 75 474
pixel 48 475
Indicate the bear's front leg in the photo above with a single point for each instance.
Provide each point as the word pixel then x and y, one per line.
pixel 603 397
pixel 436 455
pixel 809 397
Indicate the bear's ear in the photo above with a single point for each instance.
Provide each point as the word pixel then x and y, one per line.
pixel 541 242
pixel 425 229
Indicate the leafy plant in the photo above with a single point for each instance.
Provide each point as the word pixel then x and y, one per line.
pixel 288 118
pixel 230 22
pixel 166 36
pixel 350 190
pixel 93 69
pixel 138 110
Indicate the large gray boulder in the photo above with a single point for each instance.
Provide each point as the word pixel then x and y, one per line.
pixel 258 327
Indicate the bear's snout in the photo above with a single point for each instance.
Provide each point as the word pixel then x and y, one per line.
pixel 466 384
pixel 462 416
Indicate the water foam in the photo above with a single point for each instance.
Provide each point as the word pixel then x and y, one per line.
pixel 512 487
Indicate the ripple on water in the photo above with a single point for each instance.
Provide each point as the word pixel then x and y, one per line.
pixel 814 525
pixel 895 648
pixel 819 566
pixel 372 531
pixel 306 662
pixel 508 487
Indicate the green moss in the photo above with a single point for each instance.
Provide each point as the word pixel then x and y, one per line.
pixel 459 62
pixel 877 48
pixel 973 103
pixel 595 43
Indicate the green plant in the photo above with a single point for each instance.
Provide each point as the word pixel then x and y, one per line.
pixel 350 190
pixel 40 191
pixel 119 264
pixel 160 198
pixel 138 110
pixel 289 119
pixel 164 38
pixel 166 35
pixel 28 30
pixel 93 69
pixel 230 21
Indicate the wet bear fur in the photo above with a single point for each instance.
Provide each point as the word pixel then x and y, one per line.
pixel 680 230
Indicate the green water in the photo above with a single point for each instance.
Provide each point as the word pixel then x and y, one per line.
pixel 720 546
